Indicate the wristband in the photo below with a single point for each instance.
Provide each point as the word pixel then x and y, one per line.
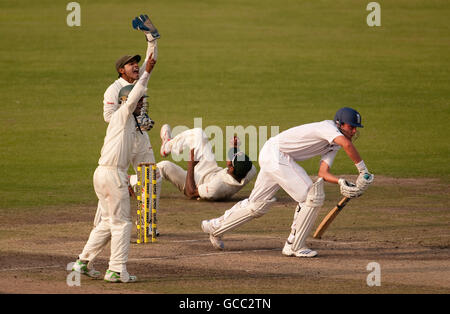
pixel 361 166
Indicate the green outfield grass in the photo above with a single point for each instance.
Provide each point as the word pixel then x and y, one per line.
pixel 259 63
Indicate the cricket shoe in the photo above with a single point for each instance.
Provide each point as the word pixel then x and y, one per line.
pixel 166 136
pixel 215 241
pixel 303 252
pixel 81 267
pixel 113 276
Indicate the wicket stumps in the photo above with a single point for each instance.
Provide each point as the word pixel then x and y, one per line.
pixel 146 211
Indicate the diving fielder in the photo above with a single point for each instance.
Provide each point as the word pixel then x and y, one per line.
pixel 203 178
pixel 279 169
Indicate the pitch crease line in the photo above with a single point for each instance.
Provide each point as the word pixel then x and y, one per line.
pixel 30 268
pixel 199 255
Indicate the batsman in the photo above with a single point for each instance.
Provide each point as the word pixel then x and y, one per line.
pixel 279 169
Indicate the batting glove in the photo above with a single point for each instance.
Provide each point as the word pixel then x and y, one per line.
pixel 349 189
pixel 143 23
pixel 364 180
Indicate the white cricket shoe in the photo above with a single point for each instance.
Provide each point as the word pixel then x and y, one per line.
pixel 113 276
pixel 303 252
pixel 215 241
pixel 166 135
pixel 81 267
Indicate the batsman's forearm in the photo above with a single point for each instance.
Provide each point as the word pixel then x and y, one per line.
pixel 351 151
pixel 324 172
pixel 328 177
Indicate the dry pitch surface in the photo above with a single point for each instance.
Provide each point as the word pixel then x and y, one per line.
pixel 401 224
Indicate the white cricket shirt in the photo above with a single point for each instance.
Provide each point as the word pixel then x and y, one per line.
pixel 222 185
pixel 121 132
pixel 310 140
pixel 110 98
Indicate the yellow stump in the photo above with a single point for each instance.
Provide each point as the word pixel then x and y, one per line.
pixel 153 203
pixel 146 212
pixel 146 204
pixel 139 205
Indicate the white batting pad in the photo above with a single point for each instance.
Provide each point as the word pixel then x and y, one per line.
pixel 303 223
pixel 316 194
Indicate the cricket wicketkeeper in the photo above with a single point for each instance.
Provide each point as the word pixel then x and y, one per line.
pixel 279 169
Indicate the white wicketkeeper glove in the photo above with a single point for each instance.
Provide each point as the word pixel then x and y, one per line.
pixel 143 23
pixel 349 189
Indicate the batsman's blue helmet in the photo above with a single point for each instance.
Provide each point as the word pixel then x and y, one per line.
pixel 348 116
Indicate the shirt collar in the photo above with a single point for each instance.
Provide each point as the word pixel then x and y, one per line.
pixel 123 82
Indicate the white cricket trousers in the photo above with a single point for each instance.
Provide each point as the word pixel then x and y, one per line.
pixel 142 153
pixel 173 173
pixel 111 187
pixel 277 170
pixel 197 140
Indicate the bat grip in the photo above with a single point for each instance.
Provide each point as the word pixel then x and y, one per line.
pixel 342 204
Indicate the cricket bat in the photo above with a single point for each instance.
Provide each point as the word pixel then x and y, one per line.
pixel 330 217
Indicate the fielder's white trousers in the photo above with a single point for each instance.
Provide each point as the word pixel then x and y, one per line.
pixel 197 140
pixel 142 153
pixel 111 187
pixel 173 173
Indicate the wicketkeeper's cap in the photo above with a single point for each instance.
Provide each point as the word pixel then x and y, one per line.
pixel 126 59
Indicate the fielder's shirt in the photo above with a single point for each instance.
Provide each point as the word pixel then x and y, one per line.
pixel 220 185
pixel 121 132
